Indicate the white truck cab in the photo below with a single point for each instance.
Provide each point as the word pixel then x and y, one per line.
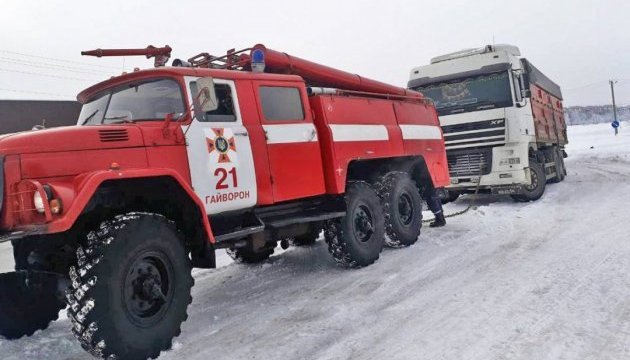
pixel 489 119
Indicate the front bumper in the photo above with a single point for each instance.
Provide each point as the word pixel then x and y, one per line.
pixel 498 178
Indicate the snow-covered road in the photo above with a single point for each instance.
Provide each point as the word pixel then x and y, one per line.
pixel 543 280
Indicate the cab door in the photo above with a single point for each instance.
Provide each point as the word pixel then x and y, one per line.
pixel 293 147
pixel 220 153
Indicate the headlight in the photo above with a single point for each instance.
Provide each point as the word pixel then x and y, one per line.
pixel 38 201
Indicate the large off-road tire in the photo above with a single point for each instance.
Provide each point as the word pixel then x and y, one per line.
pixel 402 208
pixel 310 237
pixel 536 189
pixel 357 239
pixel 248 256
pixel 28 303
pixel 131 288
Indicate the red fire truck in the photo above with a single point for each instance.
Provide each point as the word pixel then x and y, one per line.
pixel 169 164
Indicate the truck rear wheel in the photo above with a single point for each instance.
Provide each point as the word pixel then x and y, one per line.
pixel 402 208
pixel 131 287
pixel 357 239
pixel 536 188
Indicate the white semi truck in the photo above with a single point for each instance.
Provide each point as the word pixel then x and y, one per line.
pixel 502 120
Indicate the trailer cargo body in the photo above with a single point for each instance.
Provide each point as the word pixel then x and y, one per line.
pixel 546 102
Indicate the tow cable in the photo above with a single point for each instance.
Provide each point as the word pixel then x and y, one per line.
pixel 462 212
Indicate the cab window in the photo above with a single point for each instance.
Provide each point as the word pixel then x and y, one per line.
pixel 281 103
pixel 225 110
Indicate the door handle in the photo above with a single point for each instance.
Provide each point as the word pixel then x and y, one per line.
pixel 241 133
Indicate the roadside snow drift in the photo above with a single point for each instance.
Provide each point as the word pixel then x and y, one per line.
pixel 543 280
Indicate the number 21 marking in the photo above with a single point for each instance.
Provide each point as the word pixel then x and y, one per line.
pixel 223 174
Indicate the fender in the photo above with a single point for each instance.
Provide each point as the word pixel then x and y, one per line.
pixel 90 182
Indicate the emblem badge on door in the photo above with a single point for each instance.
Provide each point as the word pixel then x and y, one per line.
pixel 221 145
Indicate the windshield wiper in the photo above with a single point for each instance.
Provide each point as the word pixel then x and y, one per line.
pixel 91 116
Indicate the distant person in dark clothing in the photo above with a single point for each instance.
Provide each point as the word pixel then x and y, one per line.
pixel 430 195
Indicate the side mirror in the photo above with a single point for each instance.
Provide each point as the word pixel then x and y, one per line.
pixel 521 88
pixel 207 96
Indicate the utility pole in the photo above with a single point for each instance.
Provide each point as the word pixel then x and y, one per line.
pixel 612 91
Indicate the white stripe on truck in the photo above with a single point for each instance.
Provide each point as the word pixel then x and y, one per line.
pixel 359 132
pixel 421 132
pixel 290 133
pixel 297 133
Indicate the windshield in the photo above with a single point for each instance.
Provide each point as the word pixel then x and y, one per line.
pixel 140 101
pixel 471 94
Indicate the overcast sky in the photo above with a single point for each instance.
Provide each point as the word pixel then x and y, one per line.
pixel 579 44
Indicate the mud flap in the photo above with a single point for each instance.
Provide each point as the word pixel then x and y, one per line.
pixel 29 301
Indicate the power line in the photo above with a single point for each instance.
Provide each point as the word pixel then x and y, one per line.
pixel 601 82
pixel 58 60
pixel 47 63
pixel 36 92
pixel 52 66
pixel 46 75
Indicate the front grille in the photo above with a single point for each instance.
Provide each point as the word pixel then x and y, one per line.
pixel 474 134
pixel 113 135
pixel 472 162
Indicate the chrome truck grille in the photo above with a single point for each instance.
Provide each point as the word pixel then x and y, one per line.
pixel 470 162
pixel 474 134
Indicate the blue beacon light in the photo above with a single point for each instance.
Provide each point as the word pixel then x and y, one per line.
pixel 258 60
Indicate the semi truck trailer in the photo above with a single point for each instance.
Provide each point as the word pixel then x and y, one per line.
pixel 502 119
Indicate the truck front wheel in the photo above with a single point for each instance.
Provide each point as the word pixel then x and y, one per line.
pixel 402 207
pixel 536 188
pixel 130 288
pixel 357 239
